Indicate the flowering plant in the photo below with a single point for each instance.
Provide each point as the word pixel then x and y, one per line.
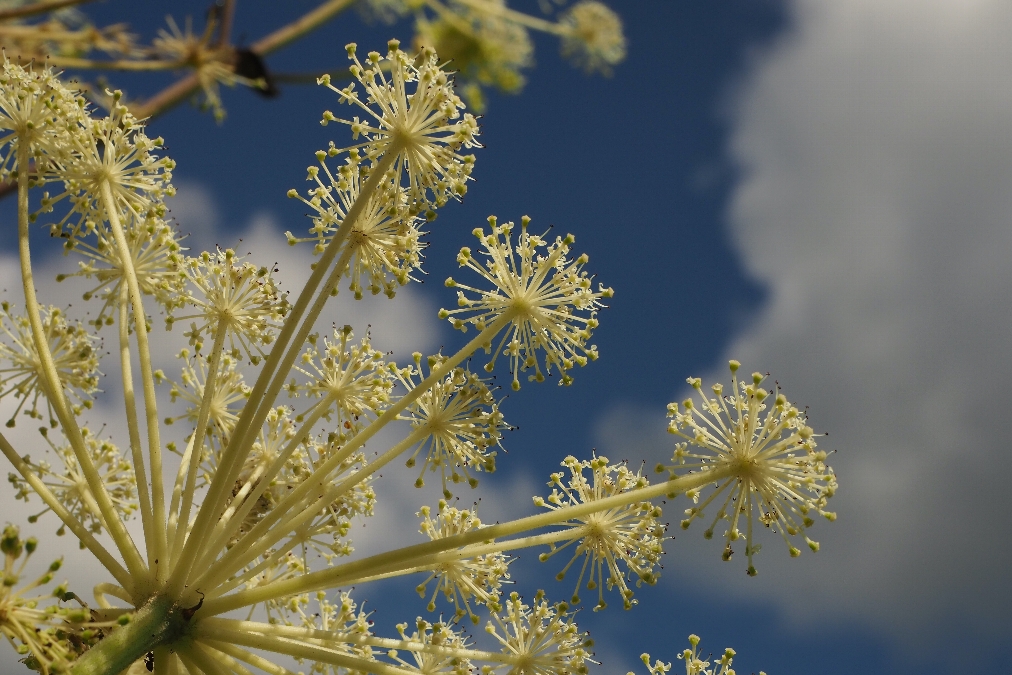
pixel 246 536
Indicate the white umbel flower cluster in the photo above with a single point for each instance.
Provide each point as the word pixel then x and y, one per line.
pixel 412 116
pixel 628 536
pixel 547 300
pixel 460 420
pixel 478 579
pixel 763 457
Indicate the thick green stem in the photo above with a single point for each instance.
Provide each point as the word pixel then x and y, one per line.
pixel 158 622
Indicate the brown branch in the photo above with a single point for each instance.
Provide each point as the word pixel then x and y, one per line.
pixel 300 27
pixel 38 8
pixel 181 89
pixel 175 93
pixel 227 17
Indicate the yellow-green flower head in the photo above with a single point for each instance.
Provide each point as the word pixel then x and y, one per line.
pixel 156 256
pixel 67 481
pixel 36 111
pixel 235 296
pixel 327 533
pixel 347 379
pixel 212 62
pixel 111 152
pixel 629 535
pixel 484 47
pixel 423 128
pixel 47 636
pixel 593 39
pixel 425 660
pixel 230 394
pixel 479 578
pixel 462 420
pixel 74 352
pixel 548 300
pixel 539 639
pixel 695 664
pixel 763 458
pixel 384 241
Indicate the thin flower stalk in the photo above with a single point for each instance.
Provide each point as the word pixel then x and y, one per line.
pixel 434 552
pixel 133 430
pixel 276 367
pixel 78 528
pixel 147 378
pixel 54 390
pixel 198 435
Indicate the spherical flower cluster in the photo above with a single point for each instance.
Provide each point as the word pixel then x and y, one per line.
pixel 761 453
pixel 479 578
pixel 462 421
pixel 212 63
pixel 547 300
pixel 48 637
pixel 233 296
pixel 36 111
pixel 74 354
pixel 230 392
pixel 630 535
pixel 384 240
pixel 347 380
pixel 424 661
pixel 110 169
pixel 484 47
pixel 538 640
pixel 593 39
pixel 156 257
pixel 423 130
pixel 67 481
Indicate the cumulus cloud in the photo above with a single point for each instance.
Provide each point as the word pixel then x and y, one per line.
pixel 874 203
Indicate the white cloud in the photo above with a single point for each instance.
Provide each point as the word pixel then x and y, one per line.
pixel 875 202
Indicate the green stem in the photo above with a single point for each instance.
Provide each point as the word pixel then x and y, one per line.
pixel 319 479
pixel 158 622
pixel 53 388
pixel 133 428
pixel 147 379
pixel 441 550
pixel 280 362
pixel 198 438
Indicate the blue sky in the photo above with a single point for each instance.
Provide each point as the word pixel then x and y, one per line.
pixel 817 189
